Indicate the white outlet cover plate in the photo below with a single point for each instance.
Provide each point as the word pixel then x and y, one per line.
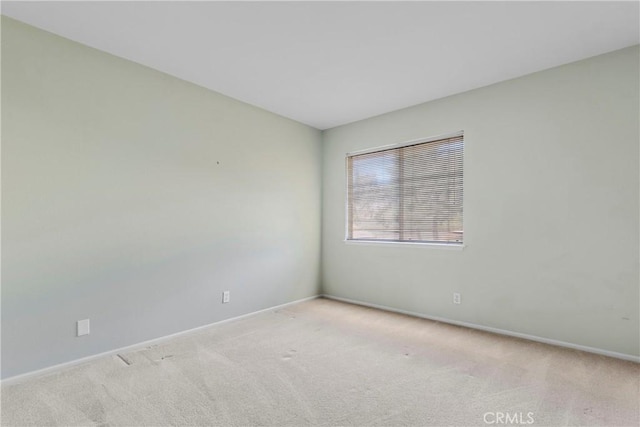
pixel 83 327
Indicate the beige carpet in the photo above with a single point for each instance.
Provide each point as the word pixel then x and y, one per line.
pixel 323 362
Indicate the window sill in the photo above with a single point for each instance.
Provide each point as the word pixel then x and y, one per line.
pixel 445 246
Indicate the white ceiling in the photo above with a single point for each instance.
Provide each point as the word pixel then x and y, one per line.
pixel 331 63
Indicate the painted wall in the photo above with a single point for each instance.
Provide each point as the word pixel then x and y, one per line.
pixel 550 211
pixel 134 199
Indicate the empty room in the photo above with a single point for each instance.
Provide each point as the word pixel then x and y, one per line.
pixel 307 213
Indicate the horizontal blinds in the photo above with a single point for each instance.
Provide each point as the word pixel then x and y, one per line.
pixel 411 193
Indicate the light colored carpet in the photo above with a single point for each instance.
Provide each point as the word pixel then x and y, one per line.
pixel 323 362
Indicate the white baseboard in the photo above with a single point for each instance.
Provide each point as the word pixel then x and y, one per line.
pixel 22 377
pixel 599 351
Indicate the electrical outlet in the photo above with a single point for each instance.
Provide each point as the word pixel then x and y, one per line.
pixel 226 297
pixel 456 298
pixel 82 327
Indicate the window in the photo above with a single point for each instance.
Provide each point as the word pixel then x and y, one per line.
pixel 408 193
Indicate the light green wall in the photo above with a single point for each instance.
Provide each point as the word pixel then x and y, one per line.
pixel 134 199
pixel 550 208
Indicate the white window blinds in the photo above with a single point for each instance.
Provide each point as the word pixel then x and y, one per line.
pixel 410 193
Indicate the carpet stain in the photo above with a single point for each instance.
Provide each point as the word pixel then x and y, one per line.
pixel 124 359
pixel 289 355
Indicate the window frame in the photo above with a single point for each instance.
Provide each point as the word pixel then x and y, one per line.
pixel 401 243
